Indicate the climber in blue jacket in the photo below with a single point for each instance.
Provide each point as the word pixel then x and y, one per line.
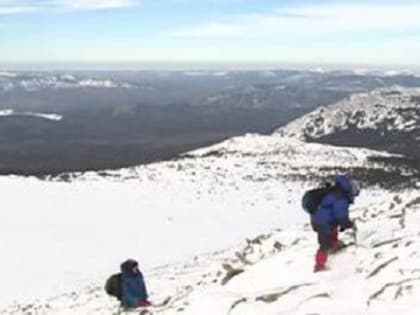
pixel 133 288
pixel 333 214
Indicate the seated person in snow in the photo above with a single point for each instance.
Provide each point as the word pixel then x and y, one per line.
pixel 333 213
pixel 133 288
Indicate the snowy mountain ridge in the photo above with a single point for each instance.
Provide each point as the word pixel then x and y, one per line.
pixel 250 157
pixel 34 82
pixel 396 109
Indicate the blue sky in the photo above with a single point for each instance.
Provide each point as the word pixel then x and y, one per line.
pixel 349 32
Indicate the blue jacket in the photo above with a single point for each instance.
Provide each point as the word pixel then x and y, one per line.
pixel 333 211
pixel 133 288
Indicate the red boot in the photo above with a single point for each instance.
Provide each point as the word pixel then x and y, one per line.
pixel 320 260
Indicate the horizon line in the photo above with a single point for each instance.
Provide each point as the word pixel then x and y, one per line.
pixel 195 65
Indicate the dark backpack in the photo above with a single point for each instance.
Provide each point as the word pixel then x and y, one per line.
pixel 312 198
pixel 113 286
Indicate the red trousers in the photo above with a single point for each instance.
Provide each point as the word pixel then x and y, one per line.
pixel 328 240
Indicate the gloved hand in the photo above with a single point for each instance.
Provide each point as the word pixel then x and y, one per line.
pixel 347 224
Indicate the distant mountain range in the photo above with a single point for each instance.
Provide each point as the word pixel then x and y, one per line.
pixel 53 122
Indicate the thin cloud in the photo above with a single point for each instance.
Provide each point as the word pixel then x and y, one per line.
pixel 95 4
pixel 22 6
pixel 14 6
pixel 313 20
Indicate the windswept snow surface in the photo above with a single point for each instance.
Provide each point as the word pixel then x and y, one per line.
pixel 271 274
pixel 59 236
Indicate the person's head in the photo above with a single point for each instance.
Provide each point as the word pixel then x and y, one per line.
pixel 349 187
pixel 130 266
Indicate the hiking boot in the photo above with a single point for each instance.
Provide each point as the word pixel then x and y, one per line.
pixel 319 268
pixel 320 260
pixel 336 247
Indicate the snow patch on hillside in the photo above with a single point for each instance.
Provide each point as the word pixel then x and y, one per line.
pixel 7 74
pixel 206 73
pixel 11 112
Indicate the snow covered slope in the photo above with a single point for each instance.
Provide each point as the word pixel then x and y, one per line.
pixel 272 273
pixel 383 119
pixel 254 157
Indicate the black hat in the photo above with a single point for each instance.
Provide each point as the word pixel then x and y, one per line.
pixel 128 265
